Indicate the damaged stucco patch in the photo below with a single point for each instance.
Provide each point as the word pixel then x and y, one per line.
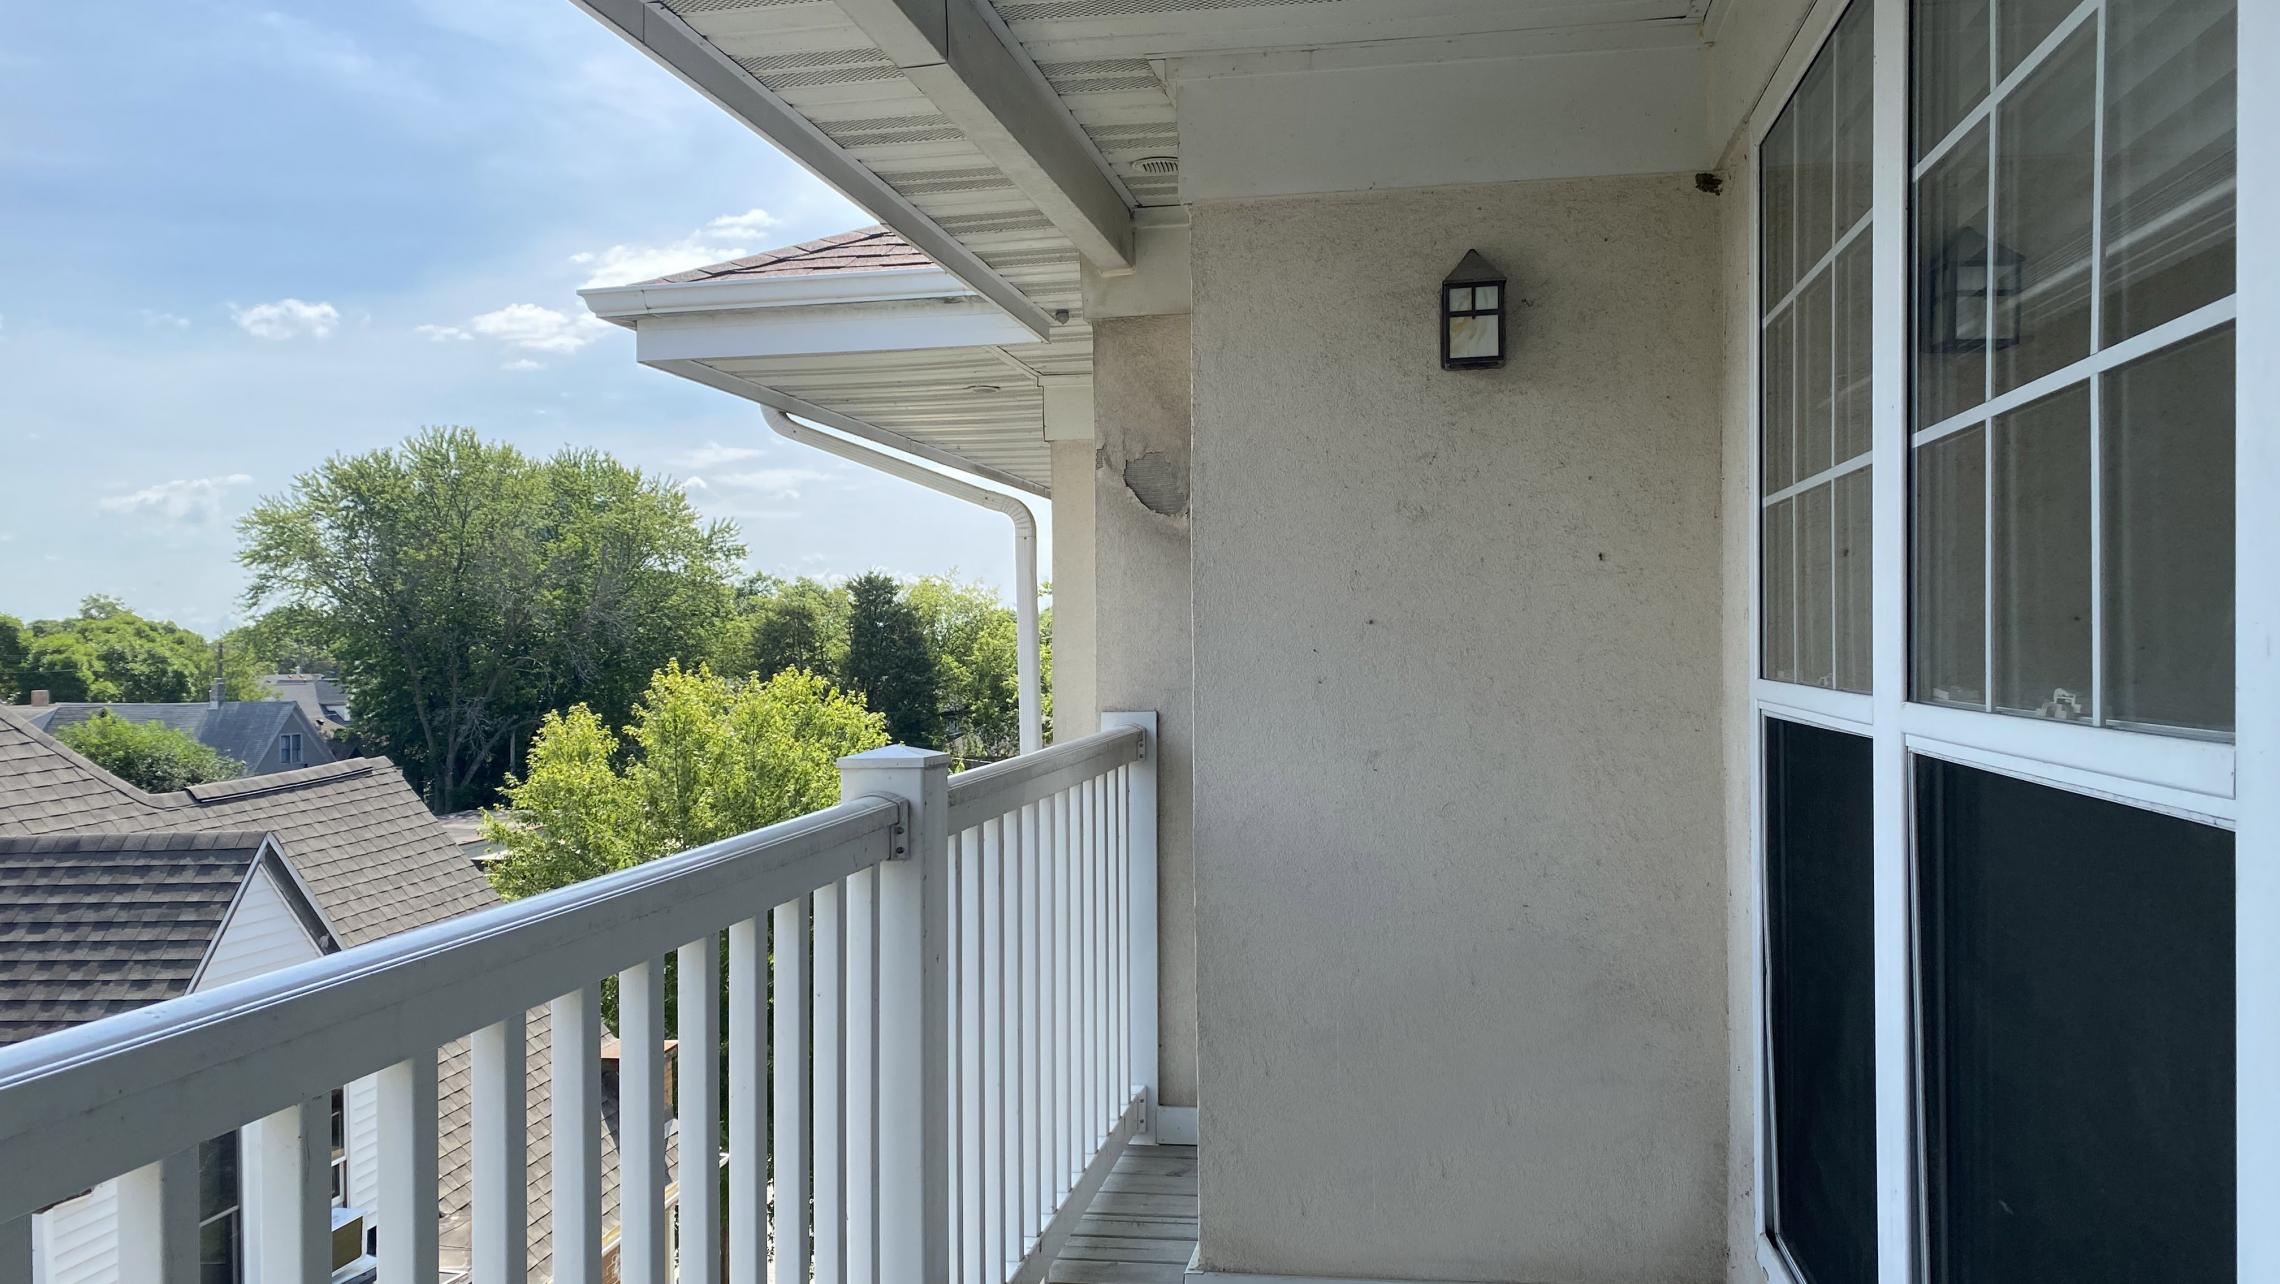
pixel 1158 483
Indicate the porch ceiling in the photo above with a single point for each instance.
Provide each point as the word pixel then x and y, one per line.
pixel 1008 163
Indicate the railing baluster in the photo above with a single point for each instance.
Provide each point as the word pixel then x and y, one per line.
pixel 1120 923
pixel 157 1220
pixel 1140 914
pixel 285 1167
pixel 747 1109
pixel 1017 1034
pixel 1048 1026
pixel 1091 857
pixel 575 1023
pixel 1032 1027
pixel 993 1033
pixel 861 1075
pixel 696 1096
pixel 1067 1053
pixel 954 951
pixel 828 1074
pixel 974 1246
pixel 641 1130
pixel 794 1055
pixel 407 1172
pixel 499 1121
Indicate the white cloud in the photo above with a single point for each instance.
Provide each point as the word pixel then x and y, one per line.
pixel 442 333
pixel 529 326
pixel 523 364
pixel 772 483
pixel 194 499
pixel 287 318
pixel 163 320
pixel 728 237
pixel 713 454
pixel 693 483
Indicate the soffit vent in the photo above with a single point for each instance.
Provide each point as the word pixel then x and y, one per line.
pixel 814 67
pixel 934 181
pixel 1152 136
pixel 1157 165
pixel 721 6
pixel 983 224
pixel 1100 76
pixel 1046 10
pixel 881 131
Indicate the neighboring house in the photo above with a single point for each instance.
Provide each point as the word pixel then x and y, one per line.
pixel 322 700
pixel 112 898
pixel 266 735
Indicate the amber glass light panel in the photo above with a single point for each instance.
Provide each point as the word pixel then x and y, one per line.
pixel 2072 371
pixel 1814 393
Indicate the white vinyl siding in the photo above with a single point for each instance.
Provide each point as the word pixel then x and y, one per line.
pixel 262 934
pixel 364 1146
pixel 79 1239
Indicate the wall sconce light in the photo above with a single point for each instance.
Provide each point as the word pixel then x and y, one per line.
pixel 1472 315
pixel 1974 295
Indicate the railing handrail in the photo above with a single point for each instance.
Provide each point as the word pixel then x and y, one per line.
pixel 80 1106
pixel 986 793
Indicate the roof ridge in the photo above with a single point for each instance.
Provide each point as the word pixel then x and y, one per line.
pixel 279 781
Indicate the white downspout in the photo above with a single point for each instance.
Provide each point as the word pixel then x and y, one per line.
pixel 1024 547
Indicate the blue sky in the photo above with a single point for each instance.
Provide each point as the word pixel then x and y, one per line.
pixel 236 240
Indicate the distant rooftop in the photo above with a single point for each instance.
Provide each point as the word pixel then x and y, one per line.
pixel 866 249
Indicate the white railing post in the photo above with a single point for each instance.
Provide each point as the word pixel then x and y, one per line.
pixel 913 1046
pixel 285 1166
pixel 158 1221
pixel 1140 908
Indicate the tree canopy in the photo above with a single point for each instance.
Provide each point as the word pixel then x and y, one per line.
pixel 705 758
pixel 891 661
pixel 149 755
pixel 469 590
pixel 109 653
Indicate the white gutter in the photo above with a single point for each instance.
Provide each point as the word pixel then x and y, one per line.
pixel 1024 547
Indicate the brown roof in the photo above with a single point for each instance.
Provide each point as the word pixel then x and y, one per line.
pixel 377 862
pixel 866 249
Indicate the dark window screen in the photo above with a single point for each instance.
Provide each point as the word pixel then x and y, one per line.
pixel 1821 993
pixel 2077 964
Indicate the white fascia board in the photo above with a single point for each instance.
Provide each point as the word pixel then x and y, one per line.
pixel 972 70
pixel 622 303
pixel 699 372
pixel 673 44
pixel 820 331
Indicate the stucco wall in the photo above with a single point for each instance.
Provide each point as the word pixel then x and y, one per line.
pixel 1146 642
pixel 1460 869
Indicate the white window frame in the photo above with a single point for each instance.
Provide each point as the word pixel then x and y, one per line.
pixel 2235 786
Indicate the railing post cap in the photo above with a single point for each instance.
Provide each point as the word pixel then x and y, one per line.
pixel 894 758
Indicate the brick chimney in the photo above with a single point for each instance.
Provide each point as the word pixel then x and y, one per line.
pixel 39 699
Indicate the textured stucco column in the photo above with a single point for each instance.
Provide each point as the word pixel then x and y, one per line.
pixel 1076 629
pixel 1146 639
pixel 1459 819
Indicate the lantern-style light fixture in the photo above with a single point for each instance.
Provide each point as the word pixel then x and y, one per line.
pixel 1974 294
pixel 1472 315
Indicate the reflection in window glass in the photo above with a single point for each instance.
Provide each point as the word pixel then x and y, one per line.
pixel 2169 537
pixel 1815 401
pixel 2041 557
pixel 2072 229
pixel 1951 569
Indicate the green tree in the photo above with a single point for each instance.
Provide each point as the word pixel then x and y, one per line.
pixel 148 755
pixel 704 758
pixel 467 589
pixel 109 653
pixel 975 639
pixel 891 661
pixel 13 642
pixel 798 624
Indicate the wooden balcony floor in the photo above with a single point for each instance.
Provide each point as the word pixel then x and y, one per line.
pixel 1141 1226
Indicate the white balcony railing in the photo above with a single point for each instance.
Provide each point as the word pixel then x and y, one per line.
pixel 963 1037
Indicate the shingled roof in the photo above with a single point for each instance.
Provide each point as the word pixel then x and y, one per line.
pixel 376 862
pixel 866 249
pixel 91 925
pixel 244 730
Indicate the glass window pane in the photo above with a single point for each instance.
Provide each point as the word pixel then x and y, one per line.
pixel 1854 529
pixel 1950 39
pixel 2169 160
pixel 1951 228
pixel 2020 25
pixel 2045 157
pixel 1854 406
pixel 1854 81
pixel 1815 406
pixel 1780 591
pixel 2078 1036
pixel 1460 298
pixel 1779 395
pixel 1777 207
pixel 1950 624
pixel 2168 478
pixel 218 1251
pixel 2042 557
pixel 1814 108
pixel 1816 665
pixel 1484 297
pixel 1820 998
pixel 217 1174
